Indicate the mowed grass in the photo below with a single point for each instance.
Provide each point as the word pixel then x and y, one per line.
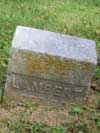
pixel 74 17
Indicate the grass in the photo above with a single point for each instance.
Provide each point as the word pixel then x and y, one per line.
pixel 75 17
pixel 22 127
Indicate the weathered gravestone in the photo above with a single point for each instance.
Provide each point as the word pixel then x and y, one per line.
pixel 50 65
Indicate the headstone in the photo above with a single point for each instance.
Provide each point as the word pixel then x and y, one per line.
pixel 53 66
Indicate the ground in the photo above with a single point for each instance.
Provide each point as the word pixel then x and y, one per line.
pixel 29 115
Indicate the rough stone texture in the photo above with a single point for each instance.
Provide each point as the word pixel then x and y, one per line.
pixel 50 65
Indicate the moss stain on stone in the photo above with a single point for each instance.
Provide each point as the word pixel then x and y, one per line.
pixel 29 66
pixel 86 67
pixel 46 64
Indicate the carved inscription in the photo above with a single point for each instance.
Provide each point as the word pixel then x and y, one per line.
pixel 40 63
pixel 45 87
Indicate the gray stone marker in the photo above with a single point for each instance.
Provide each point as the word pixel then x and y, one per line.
pixel 53 66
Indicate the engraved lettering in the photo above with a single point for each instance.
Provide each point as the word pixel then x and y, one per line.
pixel 58 90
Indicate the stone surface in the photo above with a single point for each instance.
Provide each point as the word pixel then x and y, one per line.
pixel 51 65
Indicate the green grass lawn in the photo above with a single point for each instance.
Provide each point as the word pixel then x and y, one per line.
pixel 75 17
